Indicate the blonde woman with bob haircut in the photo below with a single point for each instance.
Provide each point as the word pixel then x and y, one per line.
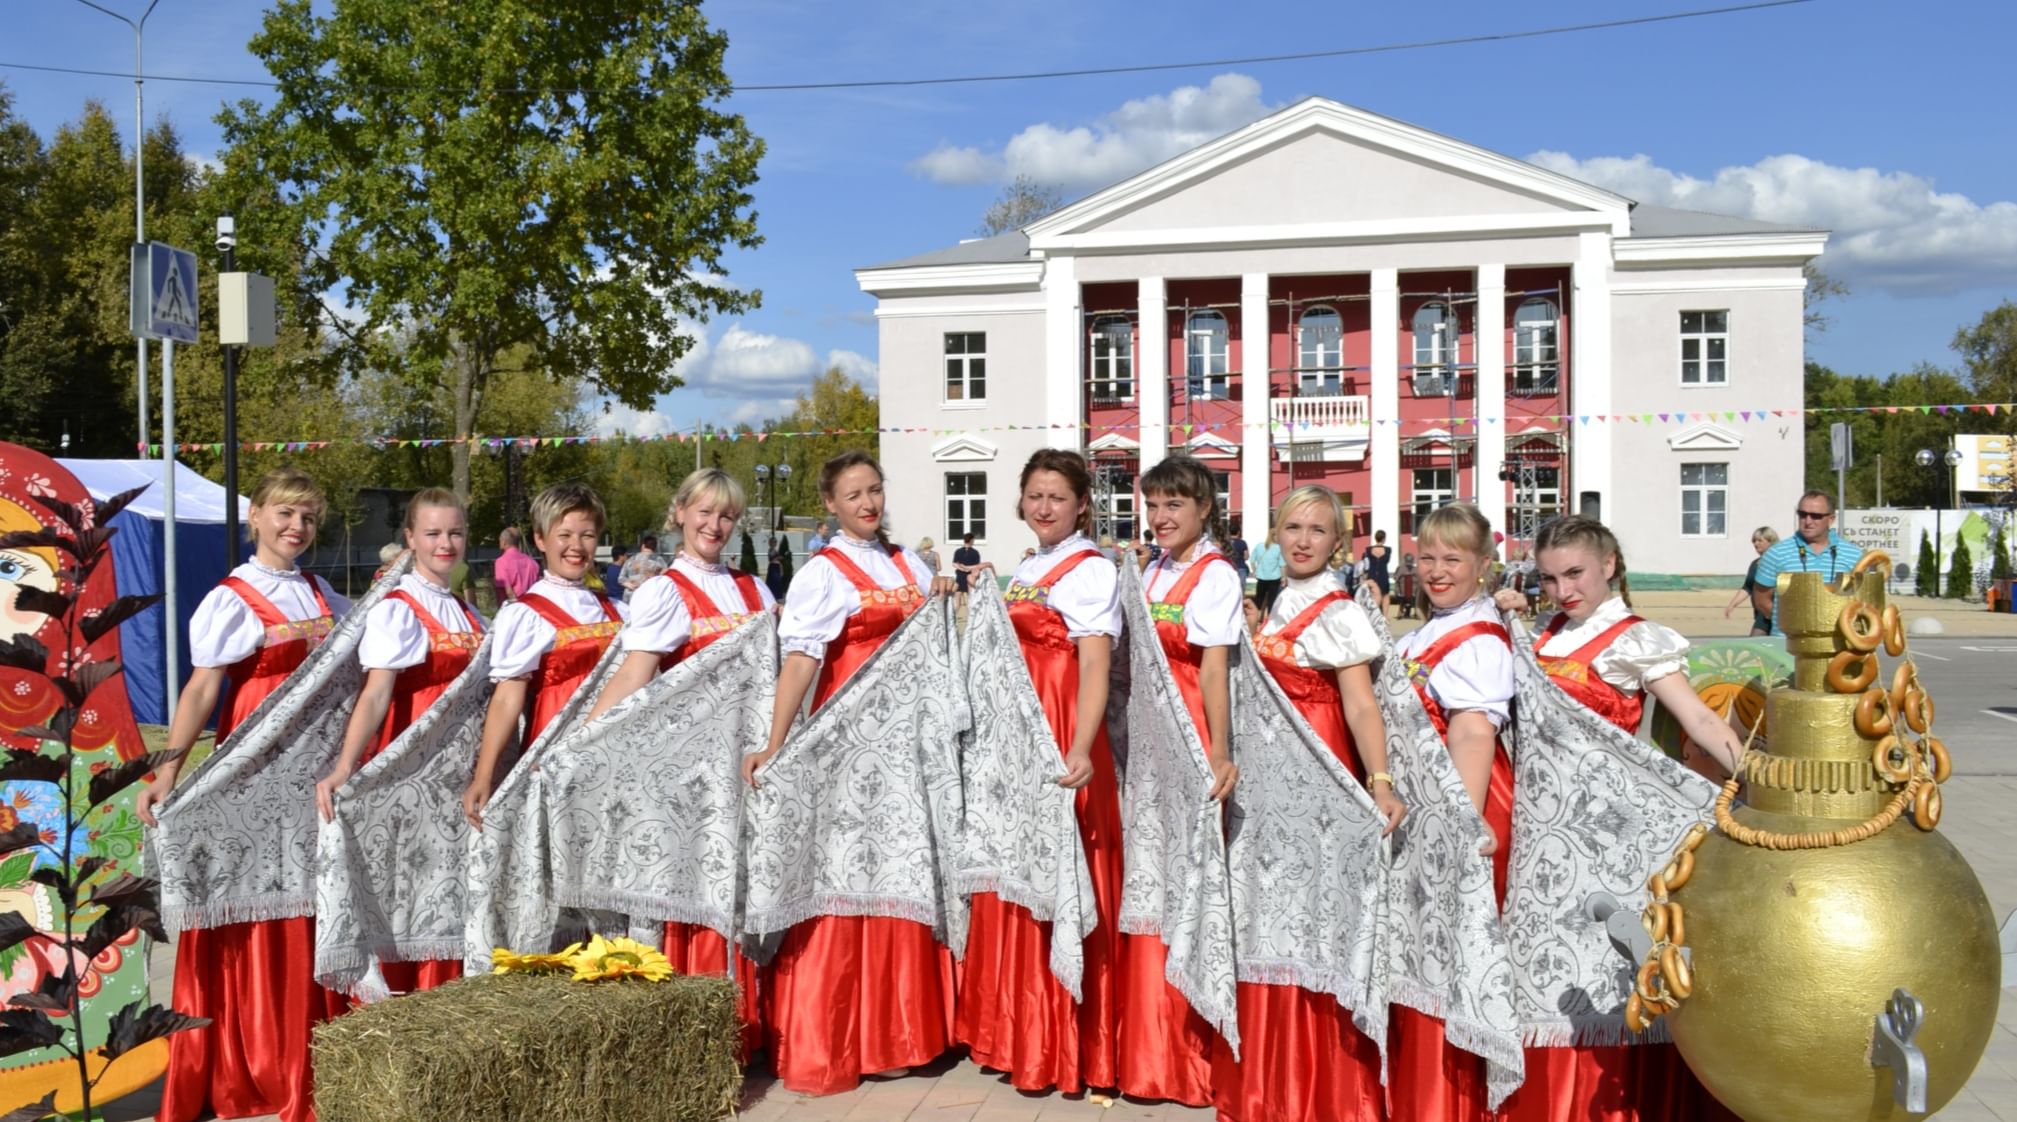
pixel 1461 662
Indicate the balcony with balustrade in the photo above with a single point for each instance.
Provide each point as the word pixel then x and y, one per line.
pixel 1326 427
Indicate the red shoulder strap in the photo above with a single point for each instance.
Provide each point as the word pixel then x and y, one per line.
pixel 1596 646
pixel 699 604
pixel 469 614
pixel 752 600
pixel 550 611
pixel 315 589
pixel 1061 569
pixel 427 621
pixel 262 608
pixel 1180 592
pixel 1308 616
pixel 859 579
pixel 1441 648
pixel 608 607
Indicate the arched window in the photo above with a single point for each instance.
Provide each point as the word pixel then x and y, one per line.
pixel 1537 362
pixel 1436 333
pixel 1208 367
pixel 1113 359
pixel 1320 353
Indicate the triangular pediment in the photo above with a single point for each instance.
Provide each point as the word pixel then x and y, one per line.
pixel 1210 445
pixel 1113 442
pixel 963 448
pixel 1706 437
pixel 1327 169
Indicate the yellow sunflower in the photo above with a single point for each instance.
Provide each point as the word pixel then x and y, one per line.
pixel 505 961
pixel 620 958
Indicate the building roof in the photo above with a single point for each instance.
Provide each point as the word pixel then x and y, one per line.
pixel 1002 249
pixel 1649 221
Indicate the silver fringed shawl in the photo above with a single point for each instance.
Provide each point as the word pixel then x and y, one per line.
pixel 1443 951
pixel 1177 886
pixel 511 898
pixel 390 876
pixel 858 814
pixel 1021 837
pixel 237 838
pixel 1594 810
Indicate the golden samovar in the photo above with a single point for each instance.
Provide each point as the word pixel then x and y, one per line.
pixel 1824 955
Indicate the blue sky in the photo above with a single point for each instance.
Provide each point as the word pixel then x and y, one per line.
pixel 1890 124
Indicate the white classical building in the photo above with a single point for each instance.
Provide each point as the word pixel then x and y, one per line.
pixel 1434 322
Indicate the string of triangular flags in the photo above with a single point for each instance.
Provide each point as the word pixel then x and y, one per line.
pixel 1424 424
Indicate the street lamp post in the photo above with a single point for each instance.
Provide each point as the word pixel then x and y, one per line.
pixel 1926 457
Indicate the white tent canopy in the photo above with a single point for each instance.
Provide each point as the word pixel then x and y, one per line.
pixel 197 500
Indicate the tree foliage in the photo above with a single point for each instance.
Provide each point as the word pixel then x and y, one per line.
pixel 1820 289
pixel 1989 350
pixel 1893 437
pixel 1926 574
pixel 1960 571
pixel 483 178
pixel 1019 204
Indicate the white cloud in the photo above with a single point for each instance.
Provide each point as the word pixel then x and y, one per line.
pixel 1140 134
pixel 860 367
pixel 613 418
pixel 751 375
pixel 746 363
pixel 1891 230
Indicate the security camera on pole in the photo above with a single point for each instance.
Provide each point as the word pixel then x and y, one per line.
pixel 245 318
pixel 163 307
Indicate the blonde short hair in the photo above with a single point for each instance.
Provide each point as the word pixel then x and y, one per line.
pixel 704 484
pixel 561 500
pixel 1318 495
pixel 285 487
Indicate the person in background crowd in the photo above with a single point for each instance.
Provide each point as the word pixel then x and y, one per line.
pixel 645 564
pixel 458 579
pixel 778 573
pixel 1267 572
pixel 1378 558
pixel 1236 552
pixel 1109 549
pixel 1762 539
pixel 1148 551
pixel 387 555
pixel 929 555
pixel 965 563
pixel 1814 548
pixel 821 535
pixel 515 571
pixel 612 573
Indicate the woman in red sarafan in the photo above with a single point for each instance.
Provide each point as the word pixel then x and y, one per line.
pixel 1461 662
pixel 848 996
pixel 1195 597
pixel 253 980
pixel 1608 659
pixel 416 641
pixel 1013 1014
pixel 1301 1057
pixel 548 640
pixel 672 617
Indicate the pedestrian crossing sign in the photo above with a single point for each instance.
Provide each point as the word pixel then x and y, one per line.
pixel 164 292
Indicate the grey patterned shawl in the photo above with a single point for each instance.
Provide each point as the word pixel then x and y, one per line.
pixel 859 812
pixel 1021 835
pixel 389 883
pixel 1594 810
pixel 1177 886
pixel 1443 950
pixel 509 898
pixel 1304 851
pixel 237 837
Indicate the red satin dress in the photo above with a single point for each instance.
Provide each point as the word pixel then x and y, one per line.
pixel 848 996
pixel 1301 1057
pixel 1621 1083
pixel 413 691
pixel 577 647
pixel 1165 1047
pixel 1429 1079
pixel 694 948
pixel 1014 1015
pixel 255 981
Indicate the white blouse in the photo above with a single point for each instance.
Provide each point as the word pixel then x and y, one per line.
pixel 659 622
pixel 1088 597
pixel 522 636
pixel 1642 653
pixel 394 638
pixel 1342 636
pixel 224 631
pixel 1213 615
pixel 1478 675
pixel 821 598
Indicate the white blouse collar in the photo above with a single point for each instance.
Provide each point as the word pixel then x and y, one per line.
pixel 1470 605
pixel 1321 581
pixel 851 542
pixel 563 582
pixel 1607 613
pixel 1204 547
pixel 692 562
pixel 276 574
pixel 1073 538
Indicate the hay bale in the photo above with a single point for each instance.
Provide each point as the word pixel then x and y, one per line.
pixel 537 1048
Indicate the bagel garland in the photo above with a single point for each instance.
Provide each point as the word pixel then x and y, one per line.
pixel 1852 671
pixel 1894 631
pixel 1873 714
pixel 1860 627
pixel 1665 978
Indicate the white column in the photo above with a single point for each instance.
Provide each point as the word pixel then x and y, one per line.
pixel 1489 332
pixel 1064 350
pixel 1256 443
pixel 1152 374
pixel 1590 450
pixel 1386 403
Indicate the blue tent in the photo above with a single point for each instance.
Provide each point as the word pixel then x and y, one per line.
pixel 202 558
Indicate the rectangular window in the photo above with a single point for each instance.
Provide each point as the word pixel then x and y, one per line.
pixel 1222 482
pixel 965 366
pixel 1536 356
pixel 1434 487
pixel 1705 348
pixel 1208 356
pixel 1113 360
pixel 965 505
pixel 1705 500
pixel 1114 502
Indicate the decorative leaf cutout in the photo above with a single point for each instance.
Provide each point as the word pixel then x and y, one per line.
pixel 91 675
pixel 53 995
pixel 24 652
pixel 54 879
pixel 28 765
pixel 133 1026
pixel 125 888
pixel 14 927
pixel 66 512
pixel 37 732
pixel 110 508
pixel 89 541
pixel 45 538
pixel 96 627
pixel 117 921
pixel 20 836
pixel 28 598
pixel 89 867
pixel 33 1112
pixel 113 780
pixel 22 1030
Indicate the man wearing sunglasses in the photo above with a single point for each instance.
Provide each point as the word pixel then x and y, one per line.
pixel 1814 548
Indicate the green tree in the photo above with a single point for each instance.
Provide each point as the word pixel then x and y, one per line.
pixel 1019 204
pixel 490 177
pixel 1820 289
pixel 1999 553
pixel 1960 571
pixel 1989 350
pixel 1881 436
pixel 845 414
pixel 1926 575
pixel 747 560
